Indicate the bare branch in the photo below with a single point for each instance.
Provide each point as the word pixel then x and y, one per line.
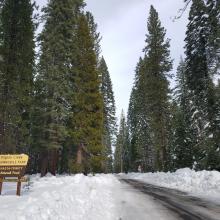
pixel 182 10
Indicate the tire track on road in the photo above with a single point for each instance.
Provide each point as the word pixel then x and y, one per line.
pixel 185 206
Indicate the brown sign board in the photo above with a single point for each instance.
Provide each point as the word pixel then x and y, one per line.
pixel 14 160
pixel 12 171
pixel 13 166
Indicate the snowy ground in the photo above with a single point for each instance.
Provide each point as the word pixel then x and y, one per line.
pixel 100 197
pixel 204 184
pixel 60 198
pixel 79 198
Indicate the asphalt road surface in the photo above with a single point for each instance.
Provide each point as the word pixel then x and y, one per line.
pixel 177 204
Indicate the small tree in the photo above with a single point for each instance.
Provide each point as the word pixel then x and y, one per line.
pixel 121 149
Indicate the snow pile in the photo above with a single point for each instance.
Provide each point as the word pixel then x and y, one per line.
pixel 62 197
pixel 201 183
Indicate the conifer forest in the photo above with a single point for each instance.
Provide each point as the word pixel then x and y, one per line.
pixel 57 102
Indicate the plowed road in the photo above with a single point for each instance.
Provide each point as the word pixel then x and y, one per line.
pixel 170 204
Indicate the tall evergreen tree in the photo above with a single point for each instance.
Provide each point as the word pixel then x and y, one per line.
pixel 213 44
pixel 54 83
pixel 141 150
pixel 1 34
pixel 210 13
pixel 149 114
pixel 94 34
pixel 183 136
pixel 108 114
pixel 158 64
pixel 131 120
pixel 16 68
pixel 87 107
pixel 200 85
pixel 218 103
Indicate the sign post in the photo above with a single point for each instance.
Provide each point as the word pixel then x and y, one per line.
pixel 1 182
pixel 13 166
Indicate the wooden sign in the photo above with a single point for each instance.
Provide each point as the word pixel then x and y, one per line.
pixel 13 166
pixel 14 160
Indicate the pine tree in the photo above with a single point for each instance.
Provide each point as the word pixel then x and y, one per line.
pixel 141 151
pixel 213 160
pixel 200 85
pixel 218 116
pixel 158 64
pixel 134 111
pixel 17 63
pixel 182 137
pixel 213 44
pixel 54 83
pixel 1 34
pixel 94 34
pixel 149 108
pixel 108 113
pixel 131 120
pixel 87 107
pixel 121 149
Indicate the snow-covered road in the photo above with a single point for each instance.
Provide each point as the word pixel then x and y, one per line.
pixel 79 197
pixel 134 205
pixel 181 204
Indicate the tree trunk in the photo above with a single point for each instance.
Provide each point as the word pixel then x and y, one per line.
pixel 79 155
pixel 44 163
pixel 53 161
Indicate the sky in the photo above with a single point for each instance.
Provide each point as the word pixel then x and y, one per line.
pixel 123 27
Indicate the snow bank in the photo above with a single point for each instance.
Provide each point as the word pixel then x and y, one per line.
pixel 62 197
pixel 201 183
